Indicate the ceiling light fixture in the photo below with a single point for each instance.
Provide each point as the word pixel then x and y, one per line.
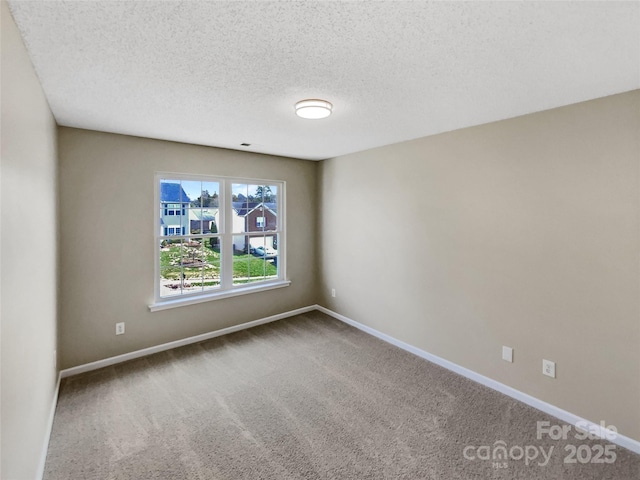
pixel 313 109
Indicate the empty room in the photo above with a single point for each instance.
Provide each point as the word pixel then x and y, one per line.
pixel 247 240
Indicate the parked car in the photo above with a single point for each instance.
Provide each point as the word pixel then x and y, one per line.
pixel 266 252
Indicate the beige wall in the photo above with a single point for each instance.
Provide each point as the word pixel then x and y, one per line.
pixel 28 254
pixel 523 233
pixel 107 231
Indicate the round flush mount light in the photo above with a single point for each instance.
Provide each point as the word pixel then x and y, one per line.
pixel 313 109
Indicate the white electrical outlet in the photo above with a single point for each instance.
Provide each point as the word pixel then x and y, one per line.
pixel 507 354
pixel 333 292
pixel 549 368
pixel 120 328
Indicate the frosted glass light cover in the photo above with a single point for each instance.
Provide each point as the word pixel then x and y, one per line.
pixel 313 109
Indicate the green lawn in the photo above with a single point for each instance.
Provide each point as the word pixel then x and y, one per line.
pixel 244 265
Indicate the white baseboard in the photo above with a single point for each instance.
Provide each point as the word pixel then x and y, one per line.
pixel 618 439
pixel 87 367
pixel 583 424
pixel 47 434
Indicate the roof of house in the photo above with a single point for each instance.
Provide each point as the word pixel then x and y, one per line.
pixel 243 208
pixel 206 214
pixel 173 193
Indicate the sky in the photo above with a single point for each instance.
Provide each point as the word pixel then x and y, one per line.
pixel 193 188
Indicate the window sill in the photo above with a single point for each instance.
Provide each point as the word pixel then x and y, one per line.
pixel 181 302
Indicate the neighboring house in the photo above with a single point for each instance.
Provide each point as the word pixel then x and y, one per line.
pixel 203 221
pixel 254 217
pixel 174 203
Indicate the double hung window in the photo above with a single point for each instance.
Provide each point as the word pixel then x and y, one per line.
pixel 217 237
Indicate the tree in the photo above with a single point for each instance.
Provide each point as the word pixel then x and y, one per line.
pixel 213 241
pixel 206 200
pixel 264 193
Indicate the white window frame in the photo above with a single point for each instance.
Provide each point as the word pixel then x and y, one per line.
pixel 226 234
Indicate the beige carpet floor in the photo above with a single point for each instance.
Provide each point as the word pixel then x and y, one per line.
pixel 303 398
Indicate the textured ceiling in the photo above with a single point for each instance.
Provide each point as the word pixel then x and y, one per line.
pixel 224 73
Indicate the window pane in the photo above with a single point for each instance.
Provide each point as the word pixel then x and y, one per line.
pixel 163 226
pixel 271 207
pixel 172 213
pixel 170 252
pixel 210 194
pixel 211 277
pixel 264 264
pixel 257 246
pixel 210 207
pixel 255 220
pixel 240 204
pixel 170 268
pixel 255 208
pixel 170 283
pixel 256 242
pixel 240 267
pixel 271 254
pixel 171 217
pixel 257 268
pixel 192 252
pixel 170 191
pixel 212 245
pixel 240 244
pixel 210 249
pixel 192 281
pixel 257 264
pixel 195 221
pixel 255 193
pixel 209 218
pixel 211 269
pixel 191 193
pixel 193 261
